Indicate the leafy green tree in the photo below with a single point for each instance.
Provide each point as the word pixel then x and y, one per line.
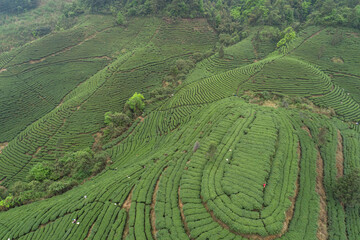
pixel 136 103
pixel 117 119
pixel 120 19
pixel 221 52
pixel 7 203
pixel 288 35
pixel 347 188
pixel 39 172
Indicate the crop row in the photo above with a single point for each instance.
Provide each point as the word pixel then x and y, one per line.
pixel 342 103
pixel 291 76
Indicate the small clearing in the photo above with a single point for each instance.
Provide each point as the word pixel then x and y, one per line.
pixel 269 103
pixel 3 145
pixel 337 60
pixel 3 70
pixel 97 137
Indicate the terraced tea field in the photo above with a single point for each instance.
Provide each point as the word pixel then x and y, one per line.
pixel 202 164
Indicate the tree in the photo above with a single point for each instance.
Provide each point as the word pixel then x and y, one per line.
pixel 221 52
pixel 288 35
pixel 120 19
pixel 347 188
pixel 136 103
pixel 39 172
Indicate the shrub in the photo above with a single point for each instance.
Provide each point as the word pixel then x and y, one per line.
pixel 120 19
pixel 347 188
pixel 59 187
pixel 39 172
pixel 136 103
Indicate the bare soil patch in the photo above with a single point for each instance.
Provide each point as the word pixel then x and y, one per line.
pixel 3 70
pixel 269 103
pixel 187 230
pixel 127 203
pixel 97 137
pixel 339 156
pixel 2 146
pixel 88 234
pixel 337 60
pixel 307 129
pixel 152 209
pixel 126 206
pixel 321 233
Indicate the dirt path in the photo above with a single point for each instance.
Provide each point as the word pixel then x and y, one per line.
pixel 152 210
pixel 339 156
pixel 152 206
pixel 3 70
pixel 307 130
pixel 126 206
pixel 89 232
pixel 181 205
pixel 320 189
pixel 321 233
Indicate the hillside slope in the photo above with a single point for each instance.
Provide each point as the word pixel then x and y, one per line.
pixel 259 171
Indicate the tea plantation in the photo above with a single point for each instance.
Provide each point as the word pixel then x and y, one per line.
pixel 204 163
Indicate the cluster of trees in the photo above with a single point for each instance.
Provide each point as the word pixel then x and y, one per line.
pixel 231 18
pixel 176 75
pixel 118 122
pixel 175 8
pixel 47 179
pixel 229 15
pixel 17 6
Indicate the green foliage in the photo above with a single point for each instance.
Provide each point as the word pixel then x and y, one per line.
pixel 221 52
pixel 120 19
pixel 40 172
pixel 347 188
pixel 288 35
pixel 7 203
pixel 136 103
pixel 61 186
pixel 17 6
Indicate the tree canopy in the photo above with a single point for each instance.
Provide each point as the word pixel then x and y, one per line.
pixel 17 6
pixel 348 188
pixel 136 103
